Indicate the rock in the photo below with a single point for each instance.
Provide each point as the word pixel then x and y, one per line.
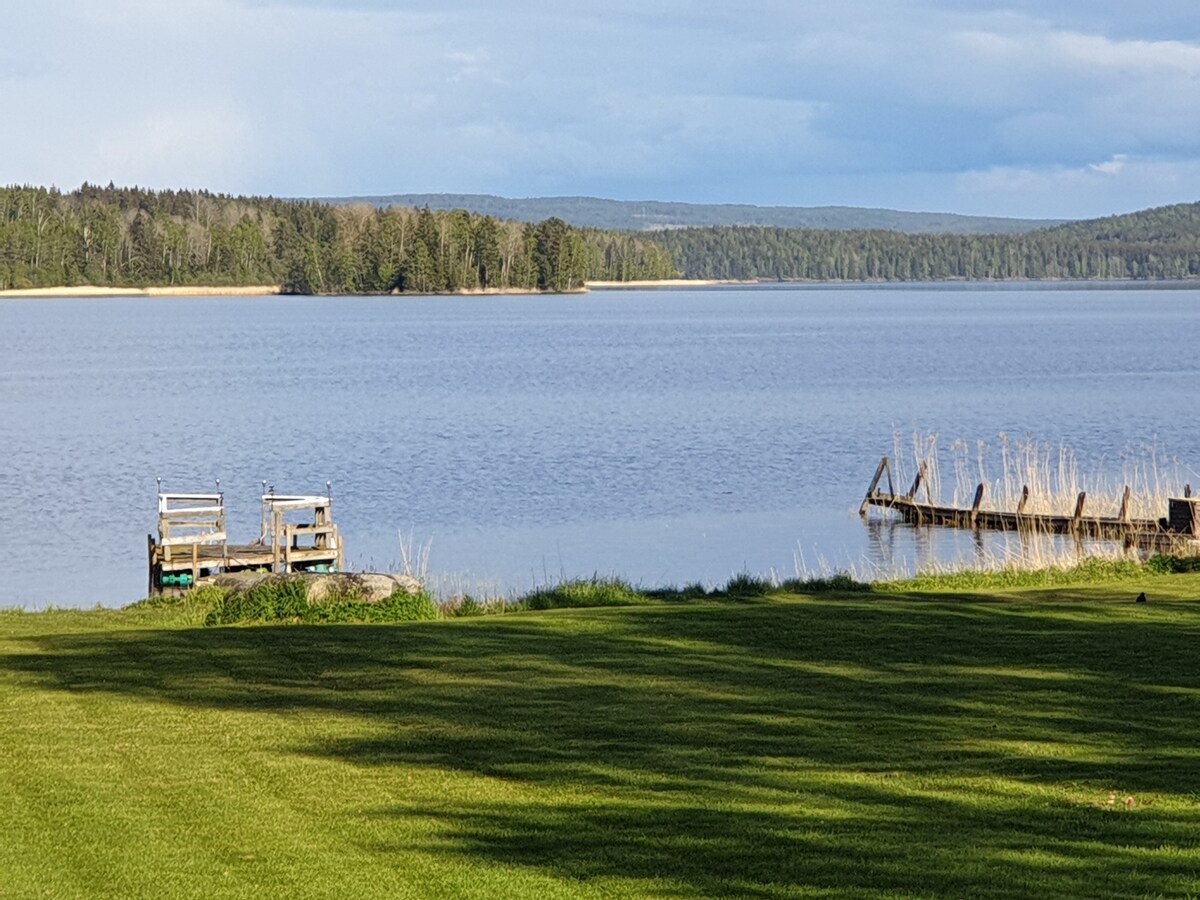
pixel 363 587
pixel 367 587
pixel 240 582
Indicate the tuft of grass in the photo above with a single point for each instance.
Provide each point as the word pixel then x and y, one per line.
pixel 693 591
pixel 1093 570
pixel 841 582
pixel 582 592
pixel 746 586
pixel 1163 564
pixel 463 607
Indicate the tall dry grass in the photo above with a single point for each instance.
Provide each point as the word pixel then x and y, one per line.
pixel 1052 473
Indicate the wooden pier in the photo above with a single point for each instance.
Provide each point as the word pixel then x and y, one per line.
pixel 192 545
pixel 1180 526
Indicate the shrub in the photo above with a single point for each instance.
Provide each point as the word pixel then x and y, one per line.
pixel 285 599
pixel 276 599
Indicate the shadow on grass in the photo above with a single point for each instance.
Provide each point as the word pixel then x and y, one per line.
pixel 923 747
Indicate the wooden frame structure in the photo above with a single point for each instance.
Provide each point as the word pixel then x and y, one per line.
pixel 1182 524
pixel 192 545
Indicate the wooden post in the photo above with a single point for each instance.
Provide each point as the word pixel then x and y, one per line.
pixel 1024 500
pixel 195 563
pixel 1125 506
pixel 975 505
pixel 879 470
pixel 912 491
pixel 1078 517
pixel 153 588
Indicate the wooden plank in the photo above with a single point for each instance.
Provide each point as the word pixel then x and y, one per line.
pixel 297 503
pixel 871 489
pixel 198 512
pixel 185 540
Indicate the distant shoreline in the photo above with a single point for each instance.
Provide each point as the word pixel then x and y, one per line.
pixel 267 290
pixel 661 283
pixel 260 290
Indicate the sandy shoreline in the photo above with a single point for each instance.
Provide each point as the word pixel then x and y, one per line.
pixel 660 283
pixel 260 290
pixel 266 290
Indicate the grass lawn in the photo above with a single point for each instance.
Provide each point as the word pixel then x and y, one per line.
pixel 1036 742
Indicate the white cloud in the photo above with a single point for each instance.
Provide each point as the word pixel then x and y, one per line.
pixel 1113 166
pixel 1119 184
pixel 918 105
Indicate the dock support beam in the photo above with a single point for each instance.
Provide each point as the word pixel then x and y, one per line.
pixel 871 490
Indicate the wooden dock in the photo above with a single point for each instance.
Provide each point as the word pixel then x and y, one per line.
pixel 1181 525
pixel 192 545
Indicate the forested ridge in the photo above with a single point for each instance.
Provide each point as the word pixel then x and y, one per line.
pixel 651 215
pixel 1162 243
pixel 130 237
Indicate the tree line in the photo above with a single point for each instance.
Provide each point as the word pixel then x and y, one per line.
pixel 1156 244
pixel 130 237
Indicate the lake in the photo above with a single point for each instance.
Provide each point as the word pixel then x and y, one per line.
pixel 667 436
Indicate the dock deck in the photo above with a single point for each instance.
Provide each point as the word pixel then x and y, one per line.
pixel 192 546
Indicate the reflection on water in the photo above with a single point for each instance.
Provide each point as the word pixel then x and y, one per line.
pixel 897 548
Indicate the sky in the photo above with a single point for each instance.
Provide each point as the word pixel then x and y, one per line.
pixel 1027 108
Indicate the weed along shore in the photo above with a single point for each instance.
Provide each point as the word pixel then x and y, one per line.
pixel 1010 735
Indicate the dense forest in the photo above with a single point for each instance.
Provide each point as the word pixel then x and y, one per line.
pixel 1161 243
pixel 132 237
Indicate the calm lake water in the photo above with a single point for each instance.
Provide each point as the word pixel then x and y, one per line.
pixel 665 436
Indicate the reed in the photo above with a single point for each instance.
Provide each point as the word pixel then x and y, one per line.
pixel 1053 474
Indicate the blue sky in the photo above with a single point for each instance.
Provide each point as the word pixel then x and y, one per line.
pixel 1056 108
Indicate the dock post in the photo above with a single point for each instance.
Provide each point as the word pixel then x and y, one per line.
pixel 1077 519
pixel 1024 500
pixel 912 491
pixel 976 504
pixel 879 470
pixel 1125 505
pixel 153 588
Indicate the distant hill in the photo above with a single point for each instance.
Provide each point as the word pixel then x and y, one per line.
pixel 1153 244
pixel 653 215
pixel 1175 224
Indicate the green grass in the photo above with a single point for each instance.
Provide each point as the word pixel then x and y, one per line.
pixel 284 599
pixel 1015 742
